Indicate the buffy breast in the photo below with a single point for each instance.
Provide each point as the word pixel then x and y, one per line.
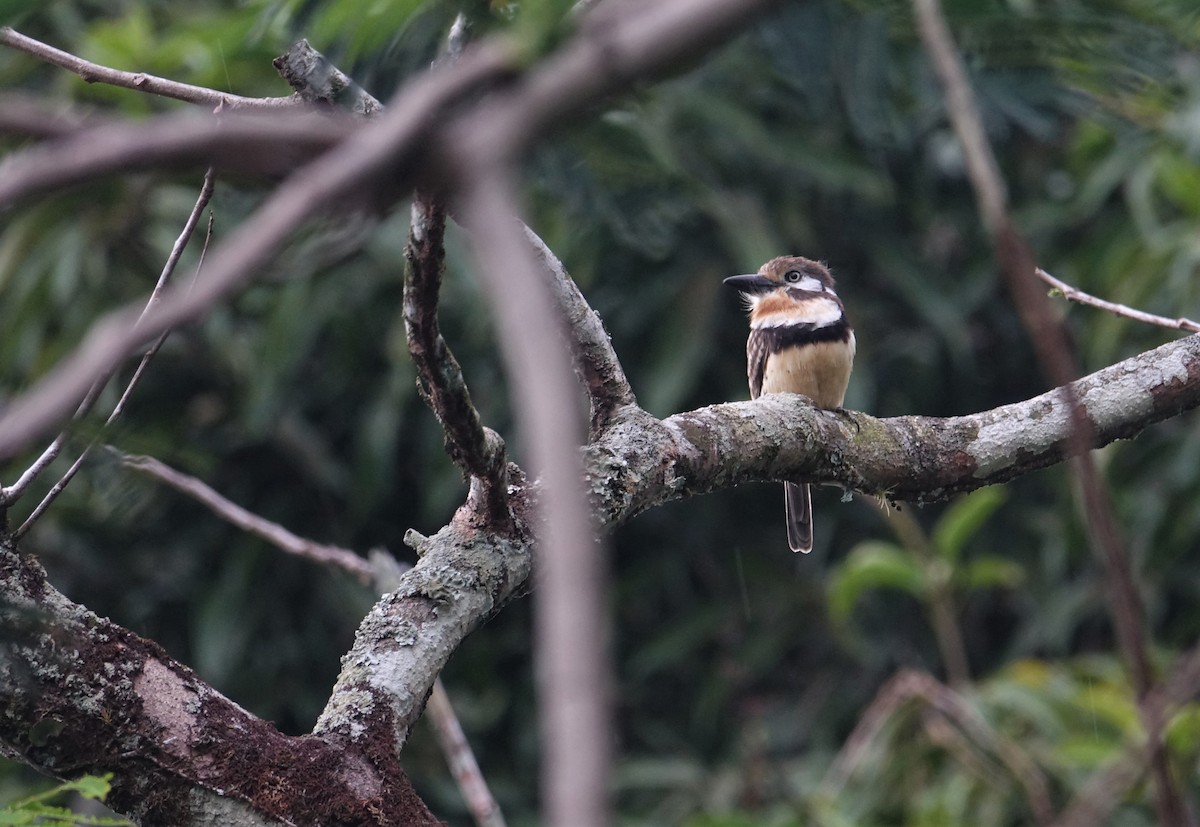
pixel 820 371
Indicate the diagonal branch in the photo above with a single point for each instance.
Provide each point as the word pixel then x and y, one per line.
pixel 95 73
pixel 185 235
pixel 248 521
pixel 1052 344
pixel 596 362
pixel 477 450
pixel 248 142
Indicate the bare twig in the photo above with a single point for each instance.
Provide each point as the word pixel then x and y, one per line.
pixel 231 512
pixel 1079 297
pixel 1052 345
pixel 461 759
pixel 181 242
pixel 95 73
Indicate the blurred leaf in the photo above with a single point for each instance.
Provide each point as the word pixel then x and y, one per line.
pixel 1179 180
pixel 35 811
pixel 871 565
pixel 989 571
pixel 1183 732
pixel 360 26
pixel 963 519
pixel 1086 752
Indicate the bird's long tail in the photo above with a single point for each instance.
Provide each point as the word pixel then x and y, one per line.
pixel 797 504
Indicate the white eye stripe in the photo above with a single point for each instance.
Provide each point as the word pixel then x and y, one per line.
pixel 811 283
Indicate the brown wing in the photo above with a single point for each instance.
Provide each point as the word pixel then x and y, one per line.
pixel 758 350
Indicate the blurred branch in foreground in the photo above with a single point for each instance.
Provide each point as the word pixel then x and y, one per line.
pixel 1052 344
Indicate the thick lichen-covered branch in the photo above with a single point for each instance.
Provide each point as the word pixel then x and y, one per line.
pixel 463 577
pixel 79 693
pixel 641 462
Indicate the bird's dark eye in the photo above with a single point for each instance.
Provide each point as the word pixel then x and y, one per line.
pixel 792 276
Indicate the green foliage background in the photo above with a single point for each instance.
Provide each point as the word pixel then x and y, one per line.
pixel 741 668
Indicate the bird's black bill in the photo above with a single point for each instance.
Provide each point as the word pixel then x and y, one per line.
pixel 752 283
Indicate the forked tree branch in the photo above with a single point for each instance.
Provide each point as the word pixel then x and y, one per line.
pixel 383 572
pixel 571 635
pixel 465 575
